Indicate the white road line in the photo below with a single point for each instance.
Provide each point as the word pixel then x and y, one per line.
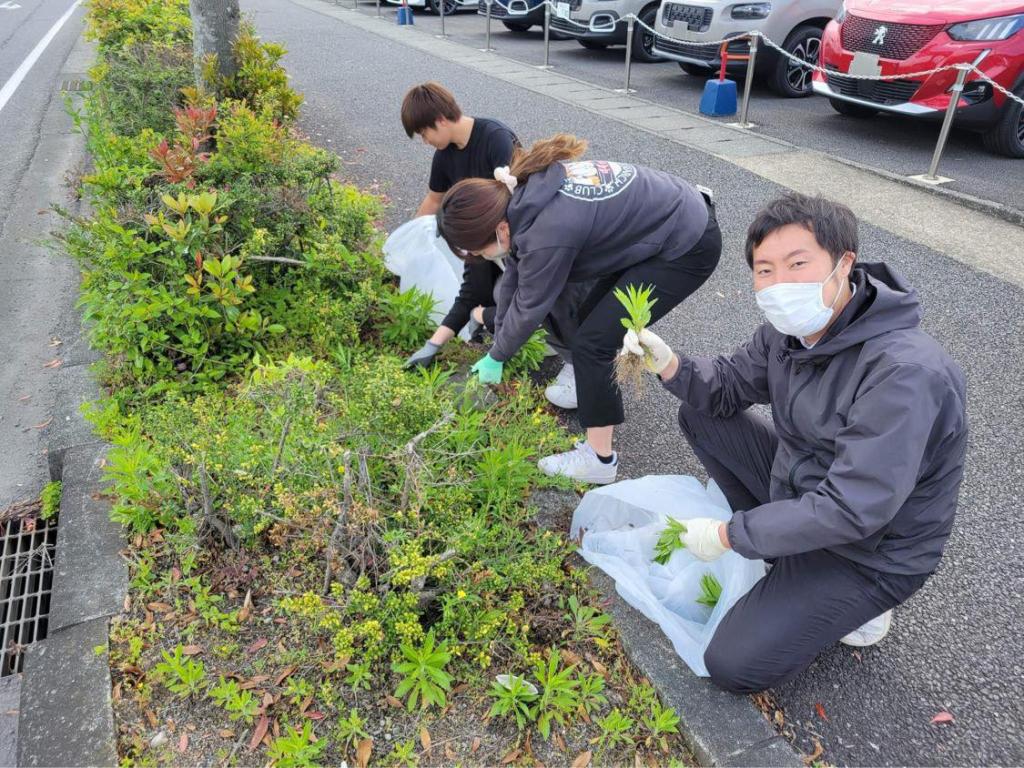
pixel 19 74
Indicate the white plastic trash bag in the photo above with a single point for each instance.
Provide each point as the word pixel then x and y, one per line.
pixel 620 524
pixel 423 260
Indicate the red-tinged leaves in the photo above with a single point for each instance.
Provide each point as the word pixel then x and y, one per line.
pixel 261 643
pixel 363 751
pixel 582 760
pixel 285 674
pixel 183 742
pixel 425 739
pixel 259 733
pixel 942 717
pixel 821 711
pixel 314 714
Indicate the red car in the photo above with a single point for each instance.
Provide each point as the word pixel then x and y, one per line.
pixel 906 37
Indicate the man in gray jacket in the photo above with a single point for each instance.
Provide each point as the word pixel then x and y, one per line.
pixel 851 490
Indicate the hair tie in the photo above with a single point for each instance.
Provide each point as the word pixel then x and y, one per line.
pixel 504 175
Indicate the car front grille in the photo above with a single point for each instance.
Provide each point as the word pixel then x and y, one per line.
pixel 882 92
pixel 567 27
pixel 707 53
pixel 696 18
pixel 888 40
pixel 497 11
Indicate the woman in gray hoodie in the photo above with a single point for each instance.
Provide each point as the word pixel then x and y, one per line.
pixel 552 220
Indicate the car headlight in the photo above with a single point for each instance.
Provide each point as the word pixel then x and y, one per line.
pixel 751 11
pixel 999 28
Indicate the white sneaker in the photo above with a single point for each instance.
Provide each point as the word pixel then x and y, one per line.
pixel 581 463
pixel 562 391
pixel 870 633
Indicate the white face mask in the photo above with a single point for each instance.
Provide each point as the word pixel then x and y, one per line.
pixel 502 252
pixel 797 309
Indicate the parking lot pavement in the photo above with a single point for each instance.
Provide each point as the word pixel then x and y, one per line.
pixel 891 143
pixel 955 646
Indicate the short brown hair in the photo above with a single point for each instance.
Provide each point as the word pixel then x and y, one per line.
pixel 471 210
pixel 425 104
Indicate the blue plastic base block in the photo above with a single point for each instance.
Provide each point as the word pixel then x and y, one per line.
pixel 404 17
pixel 719 98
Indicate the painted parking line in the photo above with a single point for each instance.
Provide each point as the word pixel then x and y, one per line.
pixel 23 69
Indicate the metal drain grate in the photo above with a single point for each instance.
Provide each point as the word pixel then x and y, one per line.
pixel 27 548
pixel 75 85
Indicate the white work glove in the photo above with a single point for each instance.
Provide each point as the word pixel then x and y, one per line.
pixel 702 539
pixel 648 345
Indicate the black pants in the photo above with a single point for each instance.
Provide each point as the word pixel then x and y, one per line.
pixel 806 602
pixel 599 337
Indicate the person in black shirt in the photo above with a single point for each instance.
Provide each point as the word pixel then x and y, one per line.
pixel 465 147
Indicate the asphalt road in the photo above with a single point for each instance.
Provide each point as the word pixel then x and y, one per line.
pixel 890 142
pixel 956 646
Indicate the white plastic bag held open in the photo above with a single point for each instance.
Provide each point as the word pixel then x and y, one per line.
pixel 423 260
pixel 620 524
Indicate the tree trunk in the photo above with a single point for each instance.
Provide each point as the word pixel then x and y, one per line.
pixel 214 29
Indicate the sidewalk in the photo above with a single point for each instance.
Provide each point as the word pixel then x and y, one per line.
pixel 879 702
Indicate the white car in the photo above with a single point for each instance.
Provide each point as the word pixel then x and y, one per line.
pixel 599 23
pixel 687 27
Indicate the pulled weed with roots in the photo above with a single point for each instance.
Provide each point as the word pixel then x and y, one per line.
pixel 629 368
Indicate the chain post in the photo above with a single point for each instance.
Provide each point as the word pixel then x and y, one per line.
pixel 748 82
pixel 947 120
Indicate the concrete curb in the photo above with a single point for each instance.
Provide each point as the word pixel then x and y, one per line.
pixel 721 729
pixel 66 715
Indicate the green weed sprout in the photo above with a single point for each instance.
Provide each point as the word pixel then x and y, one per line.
pixel 710 590
pixel 637 301
pixel 668 541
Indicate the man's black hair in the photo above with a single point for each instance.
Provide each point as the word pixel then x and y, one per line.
pixel 833 224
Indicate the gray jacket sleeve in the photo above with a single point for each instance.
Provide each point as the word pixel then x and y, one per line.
pixel 725 385
pixel 531 285
pixel 900 415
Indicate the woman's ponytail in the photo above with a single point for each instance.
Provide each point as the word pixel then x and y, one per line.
pixel 561 146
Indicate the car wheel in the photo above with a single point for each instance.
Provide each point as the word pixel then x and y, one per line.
pixel 696 70
pixel 1007 137
pixel 788 78
pixel 450 7
pixel 852 110
pixel 512 26
pixel 592 45
pixel 643 40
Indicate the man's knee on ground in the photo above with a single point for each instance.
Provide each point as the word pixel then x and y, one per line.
pixel 689 421
pixel 734 673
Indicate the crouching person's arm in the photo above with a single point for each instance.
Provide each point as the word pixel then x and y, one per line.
pixel 721 386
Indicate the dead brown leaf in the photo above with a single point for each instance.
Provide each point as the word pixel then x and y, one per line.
pixel 315 714
pixel 475 746
pixel 246 609
pixel 285 674
pixel 560 742
pixel 159 607
pixel 363 751
pixel 821 711
pixel 226 733
pixel 582 760
pixel 393 702
pixel 449 752
pixel 942 717
pixel 818 752
pixel 183 742
pixel 256 646
pixel 43 425
pixel 259 733
pixel 511 757
pixel 268 699
pixel 55 363
pixel 151 718
pixel 191 650
pixel 425 739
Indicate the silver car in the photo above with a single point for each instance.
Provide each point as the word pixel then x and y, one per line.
pixel 687 28
pixel 599 23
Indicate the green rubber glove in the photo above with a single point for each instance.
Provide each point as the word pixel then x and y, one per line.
pixel 488 369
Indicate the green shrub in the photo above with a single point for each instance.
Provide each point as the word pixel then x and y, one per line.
pixel 406 318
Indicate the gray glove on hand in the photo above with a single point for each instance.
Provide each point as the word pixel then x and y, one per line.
pixel 422 357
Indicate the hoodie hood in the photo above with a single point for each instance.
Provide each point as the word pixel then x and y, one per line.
pixel 533 197
pixel 881 304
